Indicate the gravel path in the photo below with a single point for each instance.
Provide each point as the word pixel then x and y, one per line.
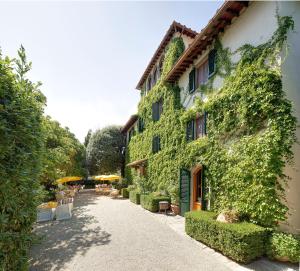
pixel 107 234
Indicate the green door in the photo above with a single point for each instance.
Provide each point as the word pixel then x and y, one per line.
pixel 185 180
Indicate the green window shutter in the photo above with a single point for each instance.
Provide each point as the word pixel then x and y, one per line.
pixel 192 81
pixel 154 111
pixel 205 124
pixel 212 62
pixel 141 125
pixel 190 130
pixel 156 144
pixel 160 108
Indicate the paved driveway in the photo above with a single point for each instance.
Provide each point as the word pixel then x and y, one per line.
pixel 109 235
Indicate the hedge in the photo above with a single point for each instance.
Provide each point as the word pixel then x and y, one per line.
pixel 134 196
pixel 125 193
pixel 242 242
pixel 151 202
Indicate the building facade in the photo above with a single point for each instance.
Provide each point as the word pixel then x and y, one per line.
pixel 169 140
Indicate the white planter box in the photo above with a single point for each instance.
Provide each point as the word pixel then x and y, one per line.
pixel 45 214
pixel 64 211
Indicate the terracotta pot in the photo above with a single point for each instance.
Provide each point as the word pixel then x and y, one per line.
pixel 175 209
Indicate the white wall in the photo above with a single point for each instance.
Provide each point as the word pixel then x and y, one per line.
pixel 255 26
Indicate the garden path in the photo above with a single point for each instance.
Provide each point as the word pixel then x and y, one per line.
pixel 114 234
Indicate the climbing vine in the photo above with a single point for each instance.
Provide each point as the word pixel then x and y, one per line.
pixel 250 127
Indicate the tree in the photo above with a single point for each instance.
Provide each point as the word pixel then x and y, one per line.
pixel 64 155
pixel 21 147
pixel 104 151
pixel 87 138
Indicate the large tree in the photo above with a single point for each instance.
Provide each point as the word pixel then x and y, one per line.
pixel 104 151
pixel 64 154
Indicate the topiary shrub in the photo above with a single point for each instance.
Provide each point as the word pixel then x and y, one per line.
pixel 284 247
pixel 134 196
pixel 242 242
pixel 125 193
pixel 151 201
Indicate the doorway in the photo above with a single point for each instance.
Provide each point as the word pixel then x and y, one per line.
pixel 197 196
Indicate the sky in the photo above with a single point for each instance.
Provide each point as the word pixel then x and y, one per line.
pixel 90 55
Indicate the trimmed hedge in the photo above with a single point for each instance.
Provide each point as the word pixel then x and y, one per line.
pixel 151 202
pixel 134 197
pixel 242 242
pixel 125 193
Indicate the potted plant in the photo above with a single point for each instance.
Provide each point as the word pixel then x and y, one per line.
pixel 174 194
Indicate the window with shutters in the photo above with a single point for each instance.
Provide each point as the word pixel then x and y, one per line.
pixel 196 128
pixel 202 74
pixel 157 109
pixel 200 126
pixel 192 81
pixel 156 144
pixel 190 130
pixel 212 62
pixel 141 125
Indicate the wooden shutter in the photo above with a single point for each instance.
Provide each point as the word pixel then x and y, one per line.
pixel 192 80
pixel 211 61
pixel 141 125
pixel 190 130
pixel 154 111
pixel 184 187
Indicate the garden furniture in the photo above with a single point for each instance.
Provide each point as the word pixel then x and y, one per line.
pixel 164 206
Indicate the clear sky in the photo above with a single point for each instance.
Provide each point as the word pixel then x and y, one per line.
pixel 90 55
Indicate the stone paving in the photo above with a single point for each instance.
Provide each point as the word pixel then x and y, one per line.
pixel 115 234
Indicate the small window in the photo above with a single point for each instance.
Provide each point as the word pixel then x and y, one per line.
pixel 157 109
pixel 200 126
pixel 190 130
pixel 154 77
pixel 212 62
pixel 156 144
pixel 192 77
pixel 141 125
pixel 202 74
pixel 131 133
pixel 149 83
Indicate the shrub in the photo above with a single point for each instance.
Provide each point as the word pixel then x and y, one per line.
pixel 242 242
pixel 134 196
pixel 151 201
pixel 284 246
pixel 125 193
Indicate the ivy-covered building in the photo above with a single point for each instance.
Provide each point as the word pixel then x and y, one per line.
pixel 218 117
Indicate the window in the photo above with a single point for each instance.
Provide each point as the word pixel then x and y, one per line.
pixel 156 144
pixel 200 126
pixel 157 109
pixel 149 83
pixel 190 130
pixel 141 125
pixel 202 74
pixel 131 133
pixel 154 78
pixel 196 128
pixel 212 62
pixel 192 81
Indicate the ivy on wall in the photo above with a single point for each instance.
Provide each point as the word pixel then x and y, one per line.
pixel 251 131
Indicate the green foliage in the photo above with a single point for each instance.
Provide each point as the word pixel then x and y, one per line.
pixel 284 246
pixel 174 51
pixel 151 201
pixel 104 151
pixel 64 154
pixel 251 131
pixel 21 149
pixel 242 242
pixel 125 193
pixel 135 196
pixel 87 138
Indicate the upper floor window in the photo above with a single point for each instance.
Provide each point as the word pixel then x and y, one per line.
pixel 131 133
pixel 148 86
pixel 157 109
pixel 196 128
pixel 141 125
pixel 199 76
pixel 156 144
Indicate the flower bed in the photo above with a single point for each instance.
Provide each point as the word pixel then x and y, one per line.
pixel 134 196
pixel 151 202
pixel 242 242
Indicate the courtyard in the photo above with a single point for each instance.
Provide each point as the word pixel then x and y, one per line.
pixel 115 234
